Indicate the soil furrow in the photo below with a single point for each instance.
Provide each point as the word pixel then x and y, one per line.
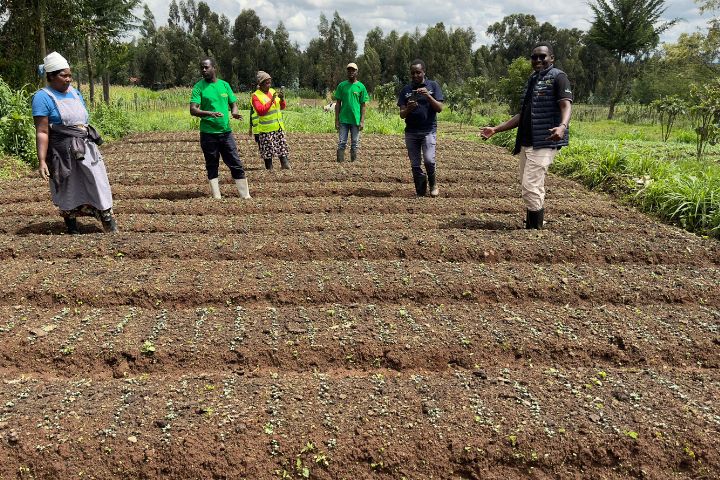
pixel 363 189
pixel 117 281
pixel 452 245
pixel 580 227
pixel 389 178
pixel 121 341
pixel 599 207
pixel 253 425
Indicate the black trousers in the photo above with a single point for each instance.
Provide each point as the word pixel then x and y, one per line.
pixel 216 145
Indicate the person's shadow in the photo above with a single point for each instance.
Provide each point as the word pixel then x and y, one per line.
pixel 178 195
pixel 58 227
pixel 369 192
pixel 478 224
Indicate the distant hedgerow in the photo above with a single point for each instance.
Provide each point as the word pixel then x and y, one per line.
pixel 17 130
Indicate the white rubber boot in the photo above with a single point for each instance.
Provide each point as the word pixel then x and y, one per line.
pixel 243 189
pixel 215 187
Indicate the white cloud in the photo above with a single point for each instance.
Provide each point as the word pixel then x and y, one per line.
pixel 296 22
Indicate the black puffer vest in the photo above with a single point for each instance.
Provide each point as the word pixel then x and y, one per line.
pixel 544 110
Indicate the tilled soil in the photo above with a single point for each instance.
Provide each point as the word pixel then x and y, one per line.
pixel 335 326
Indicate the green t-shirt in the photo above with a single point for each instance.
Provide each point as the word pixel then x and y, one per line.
pixel 213 97
pixel 352 95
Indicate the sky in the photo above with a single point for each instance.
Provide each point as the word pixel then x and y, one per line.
pixel 301 17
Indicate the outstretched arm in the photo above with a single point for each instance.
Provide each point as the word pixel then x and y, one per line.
pixel 487 132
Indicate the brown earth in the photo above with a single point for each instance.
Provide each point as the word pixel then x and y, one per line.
pixel 335 326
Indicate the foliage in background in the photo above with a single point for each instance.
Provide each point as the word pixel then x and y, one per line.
pixel 705 114
pixel 110 120
pixel 668 109
pixel 693 59
pixel 386 97
pixel 511 88
pixel 17 130
pixel 468 99
pixel 628 30
pixel 162 56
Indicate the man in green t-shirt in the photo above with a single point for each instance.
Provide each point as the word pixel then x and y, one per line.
pixel 350 99
pixel 211 99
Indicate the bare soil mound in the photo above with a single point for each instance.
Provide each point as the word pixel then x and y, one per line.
pixel 335 326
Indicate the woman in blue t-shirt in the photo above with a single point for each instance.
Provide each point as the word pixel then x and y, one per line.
pixel 67 149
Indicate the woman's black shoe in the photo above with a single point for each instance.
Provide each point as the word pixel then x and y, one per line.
pixel 110 226
pixel 72 226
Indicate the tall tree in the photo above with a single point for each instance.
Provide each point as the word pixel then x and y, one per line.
pixel 628 30
pixel 285 70
pixel 516 35
pixel 173 14
pixel 147 27
pixel 712 39
pixel 247 35
pixel 370 68
pixel 339 48
pixel 25 40
pixel 101 22
pixel 405 51
pixel 435 46
pixel 325 57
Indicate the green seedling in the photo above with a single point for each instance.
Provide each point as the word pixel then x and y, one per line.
pixel 147 348
pixel 321 459
pixel 688 451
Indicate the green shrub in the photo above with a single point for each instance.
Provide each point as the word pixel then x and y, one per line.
pixel 305 92
pixel 110 120
pixel 17 129
pixel 683 192
pixel 512 88
pixel 386 96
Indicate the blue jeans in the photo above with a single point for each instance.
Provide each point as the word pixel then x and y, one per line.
pixel 421 149
pixel 354 131
pixel 216 145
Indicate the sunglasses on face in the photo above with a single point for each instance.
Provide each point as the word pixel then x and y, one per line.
pixel 541 56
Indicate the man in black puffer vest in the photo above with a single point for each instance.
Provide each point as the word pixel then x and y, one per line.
pixel 542 129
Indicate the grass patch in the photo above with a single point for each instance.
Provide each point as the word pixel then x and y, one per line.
pixel 668 183
pixel 12 167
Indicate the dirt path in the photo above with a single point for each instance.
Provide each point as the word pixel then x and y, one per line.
pixel 337 327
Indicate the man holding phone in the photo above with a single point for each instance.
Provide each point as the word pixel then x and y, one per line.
pixel 420 101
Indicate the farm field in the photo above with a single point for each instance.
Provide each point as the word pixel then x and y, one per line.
pixel 337 327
